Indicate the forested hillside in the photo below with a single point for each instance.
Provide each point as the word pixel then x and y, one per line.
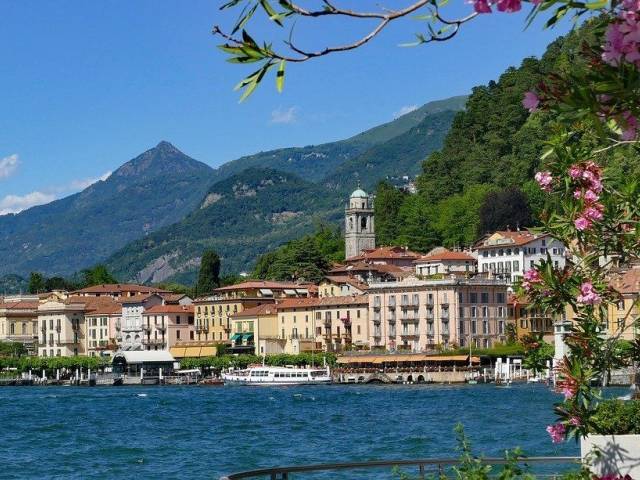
pixel 482 178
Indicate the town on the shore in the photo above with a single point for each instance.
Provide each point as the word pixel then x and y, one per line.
pixel 380 301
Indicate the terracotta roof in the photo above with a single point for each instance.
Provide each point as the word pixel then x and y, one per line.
pixel 445 255
pixel 382 253
pixel 323 302
pixel 366 267
pixel 119 288
pixel 173 297
pixel 141 297
pixel 515 238
pixel 628 282
pixel 106 309
pixel 169 309
pixel 19 305
pixel 95 304
pixel 347 279
pixel 260 310
pixel 252 284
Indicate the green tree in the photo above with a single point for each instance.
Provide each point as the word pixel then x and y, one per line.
pixel 504 209
pixel 387 206
pixel 97 275
pixel 209 274
pixel 36 283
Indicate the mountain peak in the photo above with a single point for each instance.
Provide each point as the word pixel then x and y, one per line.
pixel 166 146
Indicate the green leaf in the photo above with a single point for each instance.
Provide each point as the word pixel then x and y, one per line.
pixel 273 15
pixel 280 76
pixel 244 18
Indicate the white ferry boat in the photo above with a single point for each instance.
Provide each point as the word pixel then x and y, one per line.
pixel 265 375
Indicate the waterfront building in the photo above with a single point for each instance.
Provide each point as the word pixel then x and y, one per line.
pixel 213 312
pixel 359 224
pixel 104 326
pixel 117 290
pixel 623 318
pixel 164 326
pixel 527 320
pixel 441 261
pixel 341 285
pixel 19 320
pixel 133 307
pixel 331 324
pixel 255 330
pixel 507 254
pixel 425 315
pixel 63 325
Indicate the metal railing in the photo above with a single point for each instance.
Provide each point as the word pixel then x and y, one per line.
pixel 424 466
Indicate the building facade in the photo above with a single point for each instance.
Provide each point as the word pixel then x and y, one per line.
pixel 133 308
pixel 19 321
pixel 103 325
pixel 508 255
pixel 164 326
pixel 255 330
pixel 359 224
pixel 425 315
pixel 442 261
pixel 62 328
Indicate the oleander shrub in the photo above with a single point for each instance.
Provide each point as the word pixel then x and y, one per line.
pixel 617 417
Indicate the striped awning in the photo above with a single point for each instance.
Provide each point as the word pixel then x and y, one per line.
pixel 408 358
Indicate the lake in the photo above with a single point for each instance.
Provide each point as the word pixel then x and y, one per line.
pixel 205 432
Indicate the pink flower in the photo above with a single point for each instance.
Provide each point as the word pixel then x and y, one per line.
pixel 588 294
pixel 575 171
pixel 568 392
pixel 545 180
pixel 481 6
pixel 591 196
pixel 631 130
pixel 557 432
pixel 530 100
pixel 577 194
pixel 509 6
pixel 575 421
pixel 532 276
pixel 593 213
pixel 582 223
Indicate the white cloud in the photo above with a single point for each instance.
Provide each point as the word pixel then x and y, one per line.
pixel 404 110
pixel 8 165
pixel 285 116
pixel 81 184
pixel 17 203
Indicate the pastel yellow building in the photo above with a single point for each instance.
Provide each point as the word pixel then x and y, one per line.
pixel 623 318
pixel 213 313
pixel 331 324
pixel 19 321
pixel 531 321
pixel 255 330
pixel 340 286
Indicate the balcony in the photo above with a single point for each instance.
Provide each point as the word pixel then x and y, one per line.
pixel 377 334
pixel 202 328
pixel 407 333
pixel 392 319
pixel 153 341
pixel 161 327
pixel 444 315
pixel 146 328
pixel 409 319
pixel 376 319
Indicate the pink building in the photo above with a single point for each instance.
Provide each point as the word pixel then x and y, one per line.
pixel 422 315
pixel 165 325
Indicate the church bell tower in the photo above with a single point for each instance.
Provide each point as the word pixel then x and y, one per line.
pixel 359 227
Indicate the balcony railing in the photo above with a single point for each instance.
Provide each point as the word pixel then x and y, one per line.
pixel 426 466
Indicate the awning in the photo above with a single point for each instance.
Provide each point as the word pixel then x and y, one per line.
pixel 288 291
pixel 400 358
pixel 302 291
pixel 177 352
pixel 236 336
pixel 208 352
pixel 247 336
pixel 266 291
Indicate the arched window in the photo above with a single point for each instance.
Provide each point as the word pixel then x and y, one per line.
pixel 350 223
pixel 363 223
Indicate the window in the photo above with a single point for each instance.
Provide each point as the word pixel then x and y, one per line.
pixel 500 297
pixel 484 297
pixel 460 297
pixel 473 327
pixel 485 312
pixel 474 312
pixel 485 254
pixel 485 327
pixel 191 335
pixel 473 297
pixel 516 265
pixel 358 329
pixel 177 319
pixel 524 323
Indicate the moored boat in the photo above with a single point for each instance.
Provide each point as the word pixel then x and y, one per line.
pixel 266 375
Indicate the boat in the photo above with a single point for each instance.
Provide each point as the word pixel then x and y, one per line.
pixel 270 376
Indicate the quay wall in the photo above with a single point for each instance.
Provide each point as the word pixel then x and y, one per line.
pixel 418 376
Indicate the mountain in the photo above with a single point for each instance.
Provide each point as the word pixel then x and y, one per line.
pixel 398 156
pixel 314 161
pixel 155 189
pixel 240 217
pixel 10 284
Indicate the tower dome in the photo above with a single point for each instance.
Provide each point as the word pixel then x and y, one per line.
pixel 359 193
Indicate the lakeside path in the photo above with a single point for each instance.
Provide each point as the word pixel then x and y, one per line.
pixel 204 432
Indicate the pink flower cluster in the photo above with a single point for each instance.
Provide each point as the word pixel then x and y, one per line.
pixel 589 179
pixel 614 477
pixel 531 101
pixel 588 294
pixel 545 180
pixel 622 38
pixel 508 6
pixel 531 277
pixel 557 432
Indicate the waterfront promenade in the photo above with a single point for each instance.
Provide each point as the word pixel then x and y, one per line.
pixel 199 432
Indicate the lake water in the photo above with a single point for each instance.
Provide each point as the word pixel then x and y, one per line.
pixel 205 432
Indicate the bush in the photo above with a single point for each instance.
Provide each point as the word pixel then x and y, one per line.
pixel 616 417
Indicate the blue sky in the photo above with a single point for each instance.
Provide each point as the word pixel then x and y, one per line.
pixel 87 86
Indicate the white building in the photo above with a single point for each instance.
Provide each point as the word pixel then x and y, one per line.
pixel 509 254
pixel 132 309
pixel 442 261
